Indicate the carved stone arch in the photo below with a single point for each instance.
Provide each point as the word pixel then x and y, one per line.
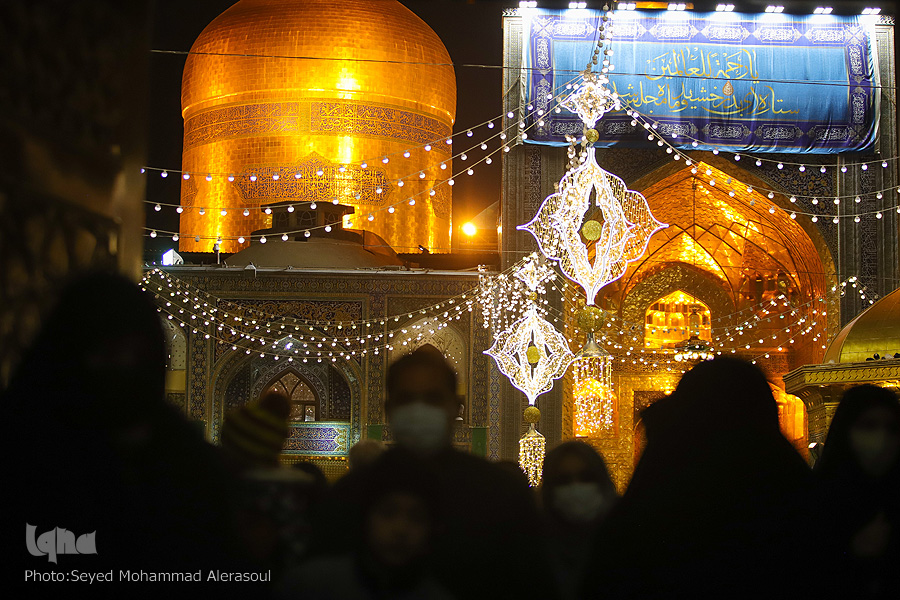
pixel 447 340
pixel 683 277
pixel 276 369
pixel 233 361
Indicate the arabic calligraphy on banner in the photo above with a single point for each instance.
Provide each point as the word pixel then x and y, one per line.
pixel 755 83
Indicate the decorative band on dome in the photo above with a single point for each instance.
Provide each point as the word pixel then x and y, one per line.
pixel 317 117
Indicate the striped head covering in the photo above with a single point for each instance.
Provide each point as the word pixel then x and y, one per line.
pixel 254 434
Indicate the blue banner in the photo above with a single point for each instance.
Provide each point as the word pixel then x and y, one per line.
pixel 740 82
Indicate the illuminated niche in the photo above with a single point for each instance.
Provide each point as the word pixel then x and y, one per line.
pixel 304 403
pixel 674 318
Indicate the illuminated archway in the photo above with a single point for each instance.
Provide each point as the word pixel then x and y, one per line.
pixel 305 403
pixel 674 318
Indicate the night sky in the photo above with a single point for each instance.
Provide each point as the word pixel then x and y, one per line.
pixel 471 31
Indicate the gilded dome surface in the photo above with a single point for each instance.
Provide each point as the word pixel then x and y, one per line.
pixel 875 331
pixel 328 34
pixel 345 101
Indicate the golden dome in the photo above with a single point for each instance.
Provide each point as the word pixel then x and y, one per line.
pixel 317 88
pixel 874 331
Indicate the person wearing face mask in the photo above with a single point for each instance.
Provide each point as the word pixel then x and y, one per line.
pixel 577 494
pixel 859 490
pixel 488 513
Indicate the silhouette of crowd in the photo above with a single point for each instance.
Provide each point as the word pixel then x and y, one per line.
pixel 720 505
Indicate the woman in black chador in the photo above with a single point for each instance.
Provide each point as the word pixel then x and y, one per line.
pixel 716 507
pixel 859 491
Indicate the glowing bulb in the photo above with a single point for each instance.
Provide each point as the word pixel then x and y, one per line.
pixel 469 229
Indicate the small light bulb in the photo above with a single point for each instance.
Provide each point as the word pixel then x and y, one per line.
pixel 306 233
pixel 291 208
pixel 179 210
pixel 328 229
pixel 312 206
pixel 246 212
pixel 241 240
pixel 157 208
pixel 262 240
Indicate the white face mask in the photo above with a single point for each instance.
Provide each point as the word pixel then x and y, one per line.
pixel 579 502
pixel 876 449
pixel 420 427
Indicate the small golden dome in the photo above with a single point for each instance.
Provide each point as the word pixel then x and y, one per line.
pixel 875 331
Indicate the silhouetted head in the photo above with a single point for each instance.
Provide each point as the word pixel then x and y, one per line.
pixel 576 484
pixel 421 401
pixel 864 437
pixel 723 395
pixel 253 435
pixel 100 358
pixel 364 452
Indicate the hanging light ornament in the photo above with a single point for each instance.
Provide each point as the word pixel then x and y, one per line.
pixel 595 402
pixel 616 226
pixel 531 352
pixel 532 446
pixel 694 348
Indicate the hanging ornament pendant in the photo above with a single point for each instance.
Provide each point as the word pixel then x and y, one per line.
pixel 593 226
pixel 531 353
pixel 532 447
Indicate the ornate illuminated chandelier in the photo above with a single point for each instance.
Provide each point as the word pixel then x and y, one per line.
pixel 694 348
pixel 532 447
pixel 595 403
pixel 531 352
pixel 593 226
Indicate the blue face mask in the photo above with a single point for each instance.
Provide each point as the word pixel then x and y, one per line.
pixel 420 427
pixel 579 502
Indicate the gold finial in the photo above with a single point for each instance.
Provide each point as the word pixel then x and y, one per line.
pixel 532 414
